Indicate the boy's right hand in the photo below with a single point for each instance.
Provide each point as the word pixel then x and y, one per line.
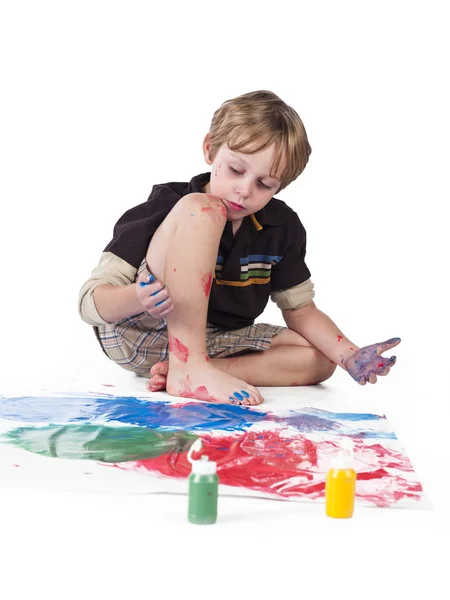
pixel 153 295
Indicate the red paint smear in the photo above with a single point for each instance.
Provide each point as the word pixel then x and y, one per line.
pixel 380 364
pixel 206 282
pixel 372 475
pixel 216 205
pixel 178 348
pixel 252 460
pixel 16 465
pixel 259 460
pixel 339 338
pixel 200 393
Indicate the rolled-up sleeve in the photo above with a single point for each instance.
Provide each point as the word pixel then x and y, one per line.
pixel 111 270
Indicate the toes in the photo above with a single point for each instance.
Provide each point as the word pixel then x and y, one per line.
pixel 160 368
pixel 156 383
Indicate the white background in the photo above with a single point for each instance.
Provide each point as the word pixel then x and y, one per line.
pixel 101 100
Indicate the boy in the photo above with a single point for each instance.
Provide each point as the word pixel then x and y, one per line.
pixel 188 272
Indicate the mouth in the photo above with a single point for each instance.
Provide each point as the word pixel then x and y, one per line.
pixel 236 207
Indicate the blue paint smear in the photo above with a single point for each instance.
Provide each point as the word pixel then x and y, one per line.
pixel 127 409
pixel 190 416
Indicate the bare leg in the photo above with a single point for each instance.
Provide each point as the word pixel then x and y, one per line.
pixel 183 254
pixel 290 361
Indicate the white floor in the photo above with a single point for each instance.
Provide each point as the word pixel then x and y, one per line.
pixel 116 545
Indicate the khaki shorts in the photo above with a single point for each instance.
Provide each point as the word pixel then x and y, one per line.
pixel 138 342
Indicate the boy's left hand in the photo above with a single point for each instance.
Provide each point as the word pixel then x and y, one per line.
pixel 365 364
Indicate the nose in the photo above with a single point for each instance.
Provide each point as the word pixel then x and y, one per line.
pixel 243 189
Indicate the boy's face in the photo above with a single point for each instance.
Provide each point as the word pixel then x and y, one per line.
pixel 240 180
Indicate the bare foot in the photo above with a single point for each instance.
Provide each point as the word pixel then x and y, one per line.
pixel 204 382
pixel 158 377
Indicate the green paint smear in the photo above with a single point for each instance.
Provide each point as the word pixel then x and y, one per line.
pixel 99 442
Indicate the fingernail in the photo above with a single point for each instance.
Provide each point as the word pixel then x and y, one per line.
pixel 238 396
pixel 393 358
pixel 158 303
pixel 246 394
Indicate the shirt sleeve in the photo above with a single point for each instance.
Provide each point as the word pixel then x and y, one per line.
pixel 112 270
pixel 291 270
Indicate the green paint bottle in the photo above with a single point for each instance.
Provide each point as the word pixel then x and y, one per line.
pixel 203 489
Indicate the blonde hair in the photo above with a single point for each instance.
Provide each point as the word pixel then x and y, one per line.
pixel 252 122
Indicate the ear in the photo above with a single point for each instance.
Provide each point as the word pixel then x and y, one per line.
pixel 207 149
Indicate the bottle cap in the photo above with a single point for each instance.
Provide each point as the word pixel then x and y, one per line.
pixel 204 466
pixel 344 458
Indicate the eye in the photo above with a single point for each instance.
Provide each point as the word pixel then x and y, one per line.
pixel 234 171
pixel 263 185
pixel 266 187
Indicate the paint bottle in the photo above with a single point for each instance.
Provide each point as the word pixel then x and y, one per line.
pixel 340 485
pixel 203 488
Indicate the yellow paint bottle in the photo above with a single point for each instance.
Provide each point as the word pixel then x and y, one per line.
pixel 340 485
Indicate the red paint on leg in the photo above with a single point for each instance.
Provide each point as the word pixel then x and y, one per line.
pixel 339 338
pixel 206 282
pixel 178 348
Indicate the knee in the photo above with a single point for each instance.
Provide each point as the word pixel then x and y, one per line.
pixel 322 368
pixel 204 205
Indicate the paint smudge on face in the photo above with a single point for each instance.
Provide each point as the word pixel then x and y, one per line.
pixel 178 349
pixel 339 337
pixel 206 283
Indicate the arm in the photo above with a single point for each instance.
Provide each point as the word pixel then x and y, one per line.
pixel 111 294
pixel 114 303
pixel 362 364
pixel 321 331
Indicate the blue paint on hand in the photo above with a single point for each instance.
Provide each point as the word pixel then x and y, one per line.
pixel 150 279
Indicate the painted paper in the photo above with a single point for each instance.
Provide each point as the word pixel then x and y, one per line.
pixel 133 444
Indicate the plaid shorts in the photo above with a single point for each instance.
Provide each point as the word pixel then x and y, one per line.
pixel 138 342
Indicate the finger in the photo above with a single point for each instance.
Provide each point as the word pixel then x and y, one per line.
pixel 164 313
pixel 383 346
pixel 372 378
pixel 148 280
pixel 166 301
pixel 384 371
pixel 362 381
pixel 159 291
